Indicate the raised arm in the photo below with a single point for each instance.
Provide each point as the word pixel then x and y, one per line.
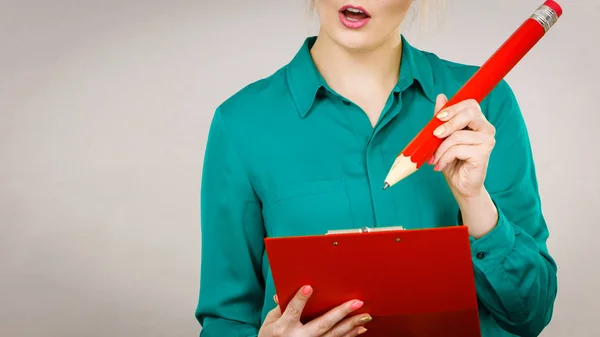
pixel 515 275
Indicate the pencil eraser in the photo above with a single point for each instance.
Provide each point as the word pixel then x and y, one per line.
pixel 555 7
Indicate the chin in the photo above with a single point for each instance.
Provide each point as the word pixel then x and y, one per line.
pixel 356 41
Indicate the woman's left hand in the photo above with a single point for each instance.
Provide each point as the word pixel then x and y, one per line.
pixel 463 157
pixel 464 154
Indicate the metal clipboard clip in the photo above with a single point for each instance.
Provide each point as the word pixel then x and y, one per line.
pixel 364 230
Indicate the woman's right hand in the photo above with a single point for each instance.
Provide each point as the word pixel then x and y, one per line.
pixel 334 323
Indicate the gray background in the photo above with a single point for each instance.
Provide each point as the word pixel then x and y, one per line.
pixel 104 110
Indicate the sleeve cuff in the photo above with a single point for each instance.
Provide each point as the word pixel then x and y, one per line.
pixel 218 327
pixel 489 251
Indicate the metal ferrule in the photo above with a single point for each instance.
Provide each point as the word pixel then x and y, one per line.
pixel 546 16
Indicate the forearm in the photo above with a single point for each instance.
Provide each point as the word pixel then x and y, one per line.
pixel 516 279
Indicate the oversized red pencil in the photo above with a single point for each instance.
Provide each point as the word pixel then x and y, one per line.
pixel 424 145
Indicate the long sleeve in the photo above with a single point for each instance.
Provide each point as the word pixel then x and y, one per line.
pixel 231 286
pixel 516 277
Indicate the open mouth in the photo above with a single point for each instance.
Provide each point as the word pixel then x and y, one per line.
pixel 354 14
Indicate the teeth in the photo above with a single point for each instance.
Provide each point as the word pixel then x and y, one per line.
pixel 354 10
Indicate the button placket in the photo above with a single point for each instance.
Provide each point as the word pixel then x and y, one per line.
pixel 383 200
pixel 371 177
pixel 357 124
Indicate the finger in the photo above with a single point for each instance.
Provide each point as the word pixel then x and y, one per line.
pixel 457 152
pixel 272 315
pixel 463 115
pixel 359 330
pixel 351 326
pixel 462 137
pixel 293 311
pixel 326 322
pixel 450 111
pixel 440 101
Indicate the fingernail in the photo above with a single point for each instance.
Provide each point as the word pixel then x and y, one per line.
pixel 361 330
pixel 437 167
pixel 356 305
pixel 306 290
pixel 431 160
pixel 276 299
pixel 439 131
pixel 365 320
pixel 442 115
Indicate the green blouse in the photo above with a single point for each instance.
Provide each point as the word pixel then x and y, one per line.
pixel 287 155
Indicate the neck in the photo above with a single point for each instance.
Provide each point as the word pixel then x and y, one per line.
pixel 348 71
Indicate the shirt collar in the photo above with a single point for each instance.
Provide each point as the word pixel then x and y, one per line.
pixel 304 80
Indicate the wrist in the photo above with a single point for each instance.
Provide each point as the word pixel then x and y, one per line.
pixel 479 213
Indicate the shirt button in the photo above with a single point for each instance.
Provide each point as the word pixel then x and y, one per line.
pixel 480 255
pixel 346 102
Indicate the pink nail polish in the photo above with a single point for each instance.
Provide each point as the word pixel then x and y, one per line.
pixel 306 290
pixel 437 167
pixel 356 305
pixel 431 160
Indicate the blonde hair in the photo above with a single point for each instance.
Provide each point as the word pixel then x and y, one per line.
pixel 426 5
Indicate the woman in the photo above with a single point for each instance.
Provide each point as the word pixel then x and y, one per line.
pixel 307 149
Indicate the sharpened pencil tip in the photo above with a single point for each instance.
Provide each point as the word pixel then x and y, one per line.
pixel 385 186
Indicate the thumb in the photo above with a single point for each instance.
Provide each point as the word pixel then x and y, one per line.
pixel 440 101
pixel 272 316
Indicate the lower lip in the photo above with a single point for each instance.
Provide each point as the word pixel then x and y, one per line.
pixel 352 24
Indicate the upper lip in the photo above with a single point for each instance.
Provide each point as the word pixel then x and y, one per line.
pixel 355 7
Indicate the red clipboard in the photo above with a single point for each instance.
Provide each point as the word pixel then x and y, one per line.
pixel 414 283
